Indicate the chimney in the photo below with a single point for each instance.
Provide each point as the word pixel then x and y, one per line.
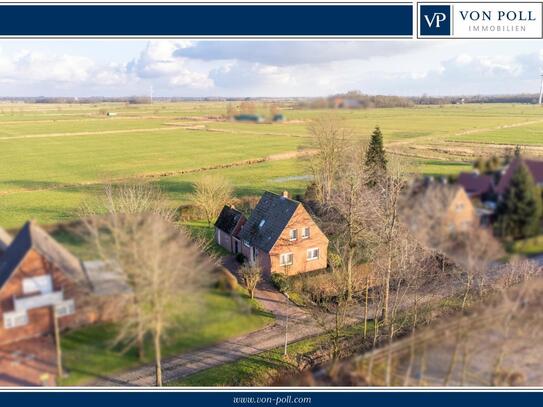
pixel 285 194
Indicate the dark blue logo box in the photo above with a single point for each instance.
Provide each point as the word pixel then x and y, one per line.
pixel 435 20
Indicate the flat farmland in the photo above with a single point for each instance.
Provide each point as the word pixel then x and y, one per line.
pixel 53 158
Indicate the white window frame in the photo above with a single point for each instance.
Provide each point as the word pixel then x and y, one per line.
pixel 291 232
pixel 65 308
pixel 304 235
pixel 246 243
pixel 38 285
pixel 282 257
pixel 311 251
pixel 15 319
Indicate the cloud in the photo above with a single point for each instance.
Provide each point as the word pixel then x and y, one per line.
pixel 285 53
pixel 157 61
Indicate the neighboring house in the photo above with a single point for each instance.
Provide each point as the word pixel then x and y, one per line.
pixel 445 203
pixel 281 237
pixel 534 166
pixel 37 277
pixel 227 228
pixel 476 185
pixel 40 278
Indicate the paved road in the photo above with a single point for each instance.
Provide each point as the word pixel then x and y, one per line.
pixel 300 325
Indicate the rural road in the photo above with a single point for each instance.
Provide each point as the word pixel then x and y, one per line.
pixel 300 325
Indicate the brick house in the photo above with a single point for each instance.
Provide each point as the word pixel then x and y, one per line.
pixel 39 277
pixel 448 204
pixel 281 237
pixel 227 228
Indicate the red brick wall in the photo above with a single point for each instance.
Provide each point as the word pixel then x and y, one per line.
pixel 40 319
pixel 299 247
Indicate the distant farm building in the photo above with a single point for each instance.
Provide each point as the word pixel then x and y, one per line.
pixel 251 118
pixel 279 117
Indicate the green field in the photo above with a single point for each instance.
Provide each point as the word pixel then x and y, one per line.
pixel 53 158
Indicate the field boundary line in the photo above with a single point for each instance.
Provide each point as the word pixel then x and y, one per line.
pixel 247 162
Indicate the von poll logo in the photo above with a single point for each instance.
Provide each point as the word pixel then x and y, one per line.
pixel 435 20
pixel 463 19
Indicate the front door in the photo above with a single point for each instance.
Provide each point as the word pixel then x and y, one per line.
pixel 236 246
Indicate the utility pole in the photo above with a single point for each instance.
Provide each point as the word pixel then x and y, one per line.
pixel 286 327
pixel 60 371
pixel 287 300
pixel 541 90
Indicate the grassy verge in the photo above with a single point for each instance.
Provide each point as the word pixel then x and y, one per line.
pixel 262 369
pixel 89 353
pixel 529 247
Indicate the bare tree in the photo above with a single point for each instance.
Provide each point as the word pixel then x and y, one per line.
pixel 134 231
pixel 211 193
pixel 251 275
pixel 330 307
pixel 330 140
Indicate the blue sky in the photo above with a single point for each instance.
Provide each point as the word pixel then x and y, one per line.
pixel 267 68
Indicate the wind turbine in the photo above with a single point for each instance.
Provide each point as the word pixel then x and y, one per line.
pixel 541 89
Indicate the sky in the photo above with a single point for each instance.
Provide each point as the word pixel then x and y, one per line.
pixel 186 68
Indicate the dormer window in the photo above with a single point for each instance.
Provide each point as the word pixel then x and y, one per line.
pixel 293 234
pixel 305 233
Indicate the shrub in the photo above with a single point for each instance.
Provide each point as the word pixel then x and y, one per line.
pixel 240 258
pixel 280 281
pixel 226 281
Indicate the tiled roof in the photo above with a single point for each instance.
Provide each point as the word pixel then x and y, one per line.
pixel 31 236
pixel 475 184
pixel 228 219
pixel 268 220
pixel 535 167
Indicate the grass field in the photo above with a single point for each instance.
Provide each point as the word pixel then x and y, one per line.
pixel 53 158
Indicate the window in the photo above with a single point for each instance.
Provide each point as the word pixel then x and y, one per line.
pixel 65 308
pixel 313 254
pixel 262 223
pixel 460 207
pixel 305 233
pixel 293 234
pixel 246 243
pixel 15 319
pixel 286 259
pixel 40 284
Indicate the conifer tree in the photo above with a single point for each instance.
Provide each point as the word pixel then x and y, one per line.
pixel 519 213
pixel 376 162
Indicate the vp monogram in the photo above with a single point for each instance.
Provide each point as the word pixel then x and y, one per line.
pixel 436 18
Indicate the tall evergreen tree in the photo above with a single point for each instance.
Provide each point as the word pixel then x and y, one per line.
pixel 376 162
pixel 519 213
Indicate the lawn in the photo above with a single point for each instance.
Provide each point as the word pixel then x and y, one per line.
pixel 88 353
pixel 529 247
